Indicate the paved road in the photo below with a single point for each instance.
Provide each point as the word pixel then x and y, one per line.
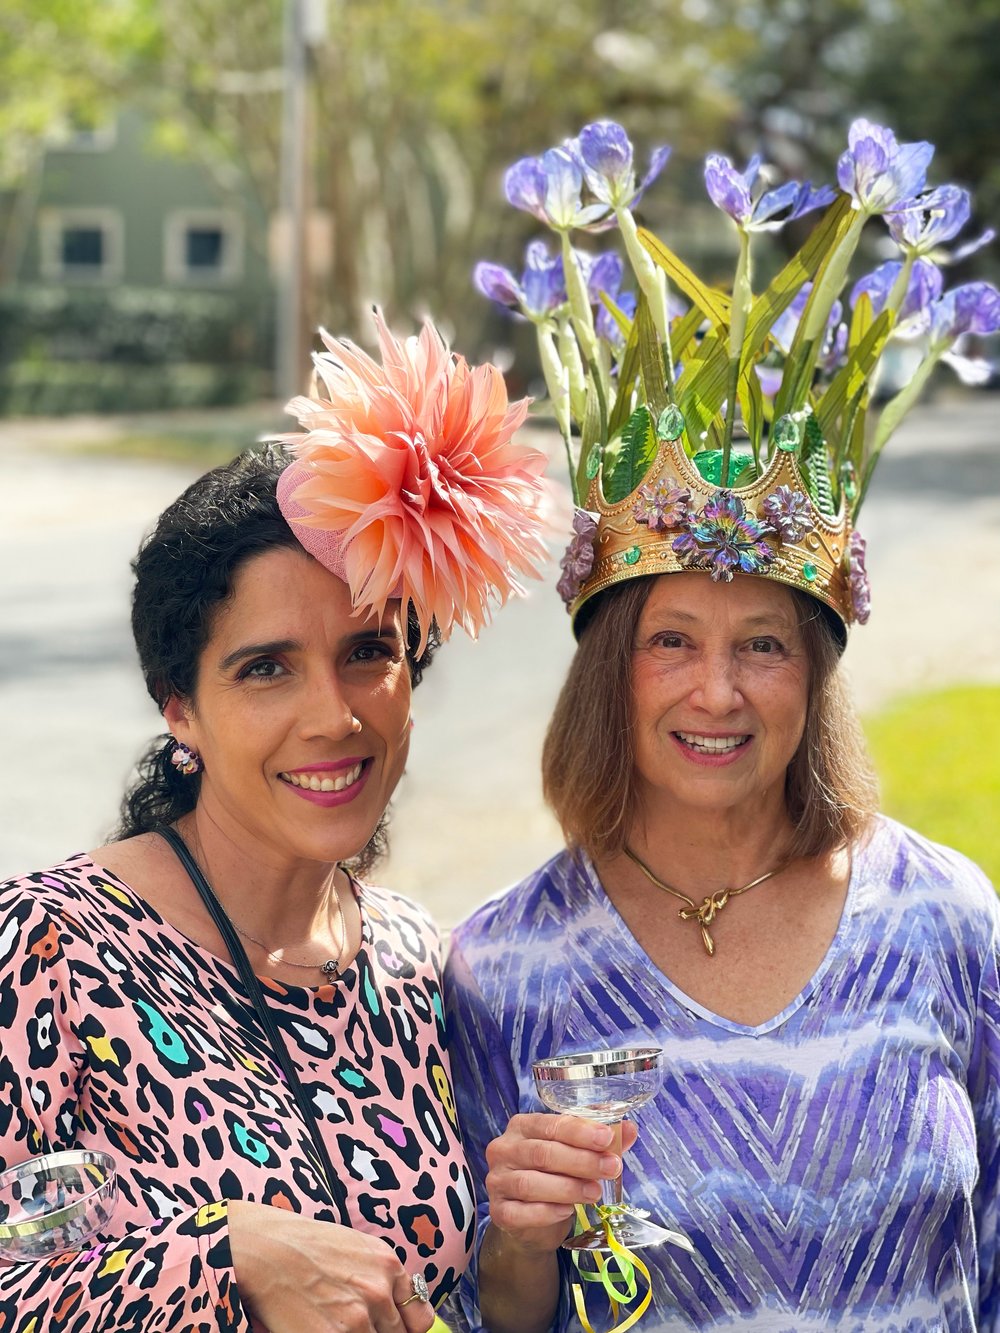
pixel 469 817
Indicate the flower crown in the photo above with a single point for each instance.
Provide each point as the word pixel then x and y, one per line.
pixel 728 432
pixel 406 482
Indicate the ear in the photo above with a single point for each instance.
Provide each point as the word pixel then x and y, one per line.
pixel 177 715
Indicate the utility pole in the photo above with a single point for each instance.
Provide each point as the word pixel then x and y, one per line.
pixel 305 28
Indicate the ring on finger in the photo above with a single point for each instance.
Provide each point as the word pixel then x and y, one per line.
pixel 418 1289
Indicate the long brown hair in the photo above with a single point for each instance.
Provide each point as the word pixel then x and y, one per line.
pixel 588 761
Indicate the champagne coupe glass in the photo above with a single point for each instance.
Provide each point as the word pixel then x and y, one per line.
pixel 55 1202
pixel 604 1086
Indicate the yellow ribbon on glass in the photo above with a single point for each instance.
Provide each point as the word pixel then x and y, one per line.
pixel 616 1274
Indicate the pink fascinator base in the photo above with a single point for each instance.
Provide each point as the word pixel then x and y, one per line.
pixel 323 544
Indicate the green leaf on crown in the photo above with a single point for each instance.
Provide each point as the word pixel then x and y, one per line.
pixel 617 314
pixel 651 365
pixel 799 270
pixel 628 375
pixel 752 405
pixel 713 304
pixel 683 331
pixel 702 386
pixel 852 378
pixel 634 456
pixel 590 434
pixel 816 466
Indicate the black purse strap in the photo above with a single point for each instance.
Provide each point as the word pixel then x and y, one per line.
pixel 241 962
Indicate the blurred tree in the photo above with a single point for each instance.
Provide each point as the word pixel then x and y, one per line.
pixel 63 66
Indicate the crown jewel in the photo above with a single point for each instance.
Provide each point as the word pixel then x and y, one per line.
pixel 729 432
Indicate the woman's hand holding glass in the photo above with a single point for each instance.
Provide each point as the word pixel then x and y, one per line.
pixel 541 1167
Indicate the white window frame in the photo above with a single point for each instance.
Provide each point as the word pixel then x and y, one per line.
pixel 175 229
pixel 52 222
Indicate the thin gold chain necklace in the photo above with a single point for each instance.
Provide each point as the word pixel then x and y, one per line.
pixel 710 906
pixel 331 968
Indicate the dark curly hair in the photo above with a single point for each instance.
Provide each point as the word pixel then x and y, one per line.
pixel 184 571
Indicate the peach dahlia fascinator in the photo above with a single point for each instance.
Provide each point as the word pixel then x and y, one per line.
pixel 406 481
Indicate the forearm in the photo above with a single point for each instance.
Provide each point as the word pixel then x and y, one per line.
pixel 518 1288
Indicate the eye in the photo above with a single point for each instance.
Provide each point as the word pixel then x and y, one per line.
pixel 668 639
pixel 265 668
pixel 374 650
pixel 765 644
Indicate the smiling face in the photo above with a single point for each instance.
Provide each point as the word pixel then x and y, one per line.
pixel 285 678
pixel 720 683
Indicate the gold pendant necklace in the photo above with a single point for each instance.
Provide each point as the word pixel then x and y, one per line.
pixel 710 906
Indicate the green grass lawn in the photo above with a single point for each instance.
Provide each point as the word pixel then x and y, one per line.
pixel 938 759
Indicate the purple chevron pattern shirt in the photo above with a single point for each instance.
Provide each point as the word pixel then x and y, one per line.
pixel 837 1167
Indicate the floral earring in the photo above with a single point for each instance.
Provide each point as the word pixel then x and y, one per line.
pixel 185 760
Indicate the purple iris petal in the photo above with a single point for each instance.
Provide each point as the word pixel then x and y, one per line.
pixel 936 217
pixel 563 184
pixel 970 247
pixel 525 184
pixel 972 308
pixel 605 323
pixel 604 275
pixel 879 172
pixel 606 157
pixel 810 198
pixel 770 378
pixel 924 287
pixel 728 188
pixel 498 284
pixel 657 161
pixel 543 281
pixel 775 201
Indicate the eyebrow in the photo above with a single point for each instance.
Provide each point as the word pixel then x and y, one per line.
pixel 765 618
pixel 278 646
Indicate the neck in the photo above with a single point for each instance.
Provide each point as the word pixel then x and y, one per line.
pixel 278 899
pixel 701 852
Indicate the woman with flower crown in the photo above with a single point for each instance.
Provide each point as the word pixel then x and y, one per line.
pixel 823 982
pixel 217 998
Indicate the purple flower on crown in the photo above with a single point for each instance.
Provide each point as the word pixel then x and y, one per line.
pixel 604 152
pixel 921 226
pixel 578 559
pixel 540 290
pixel 790 513
pixel 741 194
pixel 858 579
pixel 923 288
pixel 724 538
pixel 880 173
pixel 662 504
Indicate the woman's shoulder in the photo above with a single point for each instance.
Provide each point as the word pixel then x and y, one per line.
pixel 69 881
pixel 390 912
pixel 61 898
pixel 899 865
pixel 539 905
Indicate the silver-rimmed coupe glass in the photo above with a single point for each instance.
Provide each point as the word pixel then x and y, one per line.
pixel 604 1086
pixel 55 1202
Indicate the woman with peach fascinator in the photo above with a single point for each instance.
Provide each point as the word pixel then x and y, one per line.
pixel 217 1010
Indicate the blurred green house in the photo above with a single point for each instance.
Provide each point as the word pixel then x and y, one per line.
pixel 140 281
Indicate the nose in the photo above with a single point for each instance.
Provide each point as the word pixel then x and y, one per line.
pixel 326 710
pixel 717 690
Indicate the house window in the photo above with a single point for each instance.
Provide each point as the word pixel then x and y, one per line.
pixel 81 244
pixel 203 246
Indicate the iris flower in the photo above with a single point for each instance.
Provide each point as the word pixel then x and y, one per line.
pixel 752 208
pixel 605 154
pixel 880 173
pixel 540 290
pixel 923 225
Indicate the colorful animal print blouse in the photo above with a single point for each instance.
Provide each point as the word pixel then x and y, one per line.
pixel 118 1033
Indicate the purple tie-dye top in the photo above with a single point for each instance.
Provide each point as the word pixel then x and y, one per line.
pixel 837 1167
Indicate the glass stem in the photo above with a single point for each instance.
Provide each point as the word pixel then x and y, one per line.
pixel 611 1190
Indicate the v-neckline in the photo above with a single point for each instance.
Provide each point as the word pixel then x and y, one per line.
pixel 694 1007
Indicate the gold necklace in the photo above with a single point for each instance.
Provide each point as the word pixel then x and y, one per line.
pixel 710 906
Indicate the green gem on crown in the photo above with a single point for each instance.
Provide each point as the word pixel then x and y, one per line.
pixel 809 572
pixel 670 424
pixel 786 434
pixel 631 556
